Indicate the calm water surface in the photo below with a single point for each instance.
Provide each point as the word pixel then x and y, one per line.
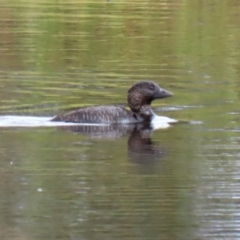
pixel 120 183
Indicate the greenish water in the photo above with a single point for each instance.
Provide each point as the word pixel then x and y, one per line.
pixel 68 183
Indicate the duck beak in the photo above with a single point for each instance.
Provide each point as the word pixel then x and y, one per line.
pixel 162 93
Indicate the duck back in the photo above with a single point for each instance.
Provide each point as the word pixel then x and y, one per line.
pixel 99 114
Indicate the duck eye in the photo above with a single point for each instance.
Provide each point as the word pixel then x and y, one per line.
pixel 151 87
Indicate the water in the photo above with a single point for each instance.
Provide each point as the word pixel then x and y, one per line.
pixel 69 182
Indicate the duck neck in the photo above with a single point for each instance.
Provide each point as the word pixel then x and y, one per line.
pixel 144 112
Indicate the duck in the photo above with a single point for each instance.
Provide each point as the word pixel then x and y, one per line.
pixel 139 98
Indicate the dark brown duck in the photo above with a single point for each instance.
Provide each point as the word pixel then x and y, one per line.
pixel 139 97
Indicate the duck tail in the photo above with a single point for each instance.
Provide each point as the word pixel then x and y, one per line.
pixel 56 119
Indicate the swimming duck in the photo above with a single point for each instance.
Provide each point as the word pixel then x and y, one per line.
pixel 139 98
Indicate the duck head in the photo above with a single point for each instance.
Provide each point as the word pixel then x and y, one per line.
pixel 141 94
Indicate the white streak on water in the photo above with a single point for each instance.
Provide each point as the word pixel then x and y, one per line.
pixel 162 122
pixel 30 121
pixel 158 122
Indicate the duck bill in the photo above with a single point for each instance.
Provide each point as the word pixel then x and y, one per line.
pixel 162 93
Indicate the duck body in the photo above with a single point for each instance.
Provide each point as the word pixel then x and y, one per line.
pixel 139 97
pixel 99 114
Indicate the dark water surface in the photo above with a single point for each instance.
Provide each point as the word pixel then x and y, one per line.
pixel 119 183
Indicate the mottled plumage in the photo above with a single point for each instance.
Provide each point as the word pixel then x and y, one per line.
pixel 140 96
pixel 98 114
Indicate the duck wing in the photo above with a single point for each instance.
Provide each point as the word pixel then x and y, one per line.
pixel 98 114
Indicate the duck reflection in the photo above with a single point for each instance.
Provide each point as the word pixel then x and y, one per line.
pixel 141 148
pixel 101 131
